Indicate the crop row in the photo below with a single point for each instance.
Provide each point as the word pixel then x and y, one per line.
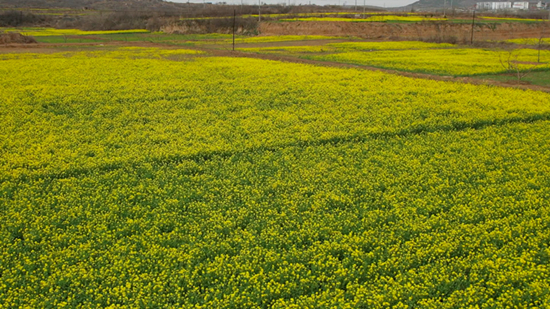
pixel 61 32
pixel 457 62
pixel 531 41
pixel 376 18
pixel 211 182
pixel 439 220
pixel 65 114
pixel 349 46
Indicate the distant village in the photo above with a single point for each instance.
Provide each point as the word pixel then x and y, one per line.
pixel 520 5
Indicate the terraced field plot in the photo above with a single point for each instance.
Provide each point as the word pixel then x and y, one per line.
pixel 232 182
pixel 345 47
pixel 410 56
pixel 378 18
pixel 51 35
pixel 544 41
pixel 457 62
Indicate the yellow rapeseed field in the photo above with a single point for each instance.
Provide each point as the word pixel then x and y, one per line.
pixel 458 62
pixel 376 18
pixel 348 46
pixel 61 32
pixel 530 41
pixel 213 182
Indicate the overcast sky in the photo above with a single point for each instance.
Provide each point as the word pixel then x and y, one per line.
pixel 381 3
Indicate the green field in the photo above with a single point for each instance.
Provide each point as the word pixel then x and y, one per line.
pixel 534 78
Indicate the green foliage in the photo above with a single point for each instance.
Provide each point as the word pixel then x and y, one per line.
pixel 534 78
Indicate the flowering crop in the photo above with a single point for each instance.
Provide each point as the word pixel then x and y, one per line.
pixel 216 182
pixel 290 49
pixel 349 46
pixel 377 18
pixel 280 38
pixel 61 32
pixel 529 41
pixel 190 107
pixel 512 19
pixel 389 45
pixel 444 61
pixel 260 39
pixel 118 53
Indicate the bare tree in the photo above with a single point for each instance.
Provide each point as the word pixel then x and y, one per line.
pixel 512 65
pixel 541 42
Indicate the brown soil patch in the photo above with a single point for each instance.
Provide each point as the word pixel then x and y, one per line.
pixel 287 43
pixel 424 30
pixel 515 82
pixel 85 37
pixel 16 38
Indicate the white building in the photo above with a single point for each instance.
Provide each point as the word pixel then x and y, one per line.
pixel 541 5
pixel 520 6
pixel 494 6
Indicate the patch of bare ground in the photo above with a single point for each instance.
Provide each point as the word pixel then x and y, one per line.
pixel 515 82
pixel 416 31
pixel 507 46
pixel 16 38
pixel 289 43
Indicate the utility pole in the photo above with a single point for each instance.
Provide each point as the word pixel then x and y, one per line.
pixel 445 9
pixel 356 5
pixel 473 23
pixel 234 19
pixel 364 6
pixel 259 11
pixel 541 38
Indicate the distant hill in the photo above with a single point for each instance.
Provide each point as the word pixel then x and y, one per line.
pixel 441 3
pixel 114 5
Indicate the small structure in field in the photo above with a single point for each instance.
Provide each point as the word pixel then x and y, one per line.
pixel 502 6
